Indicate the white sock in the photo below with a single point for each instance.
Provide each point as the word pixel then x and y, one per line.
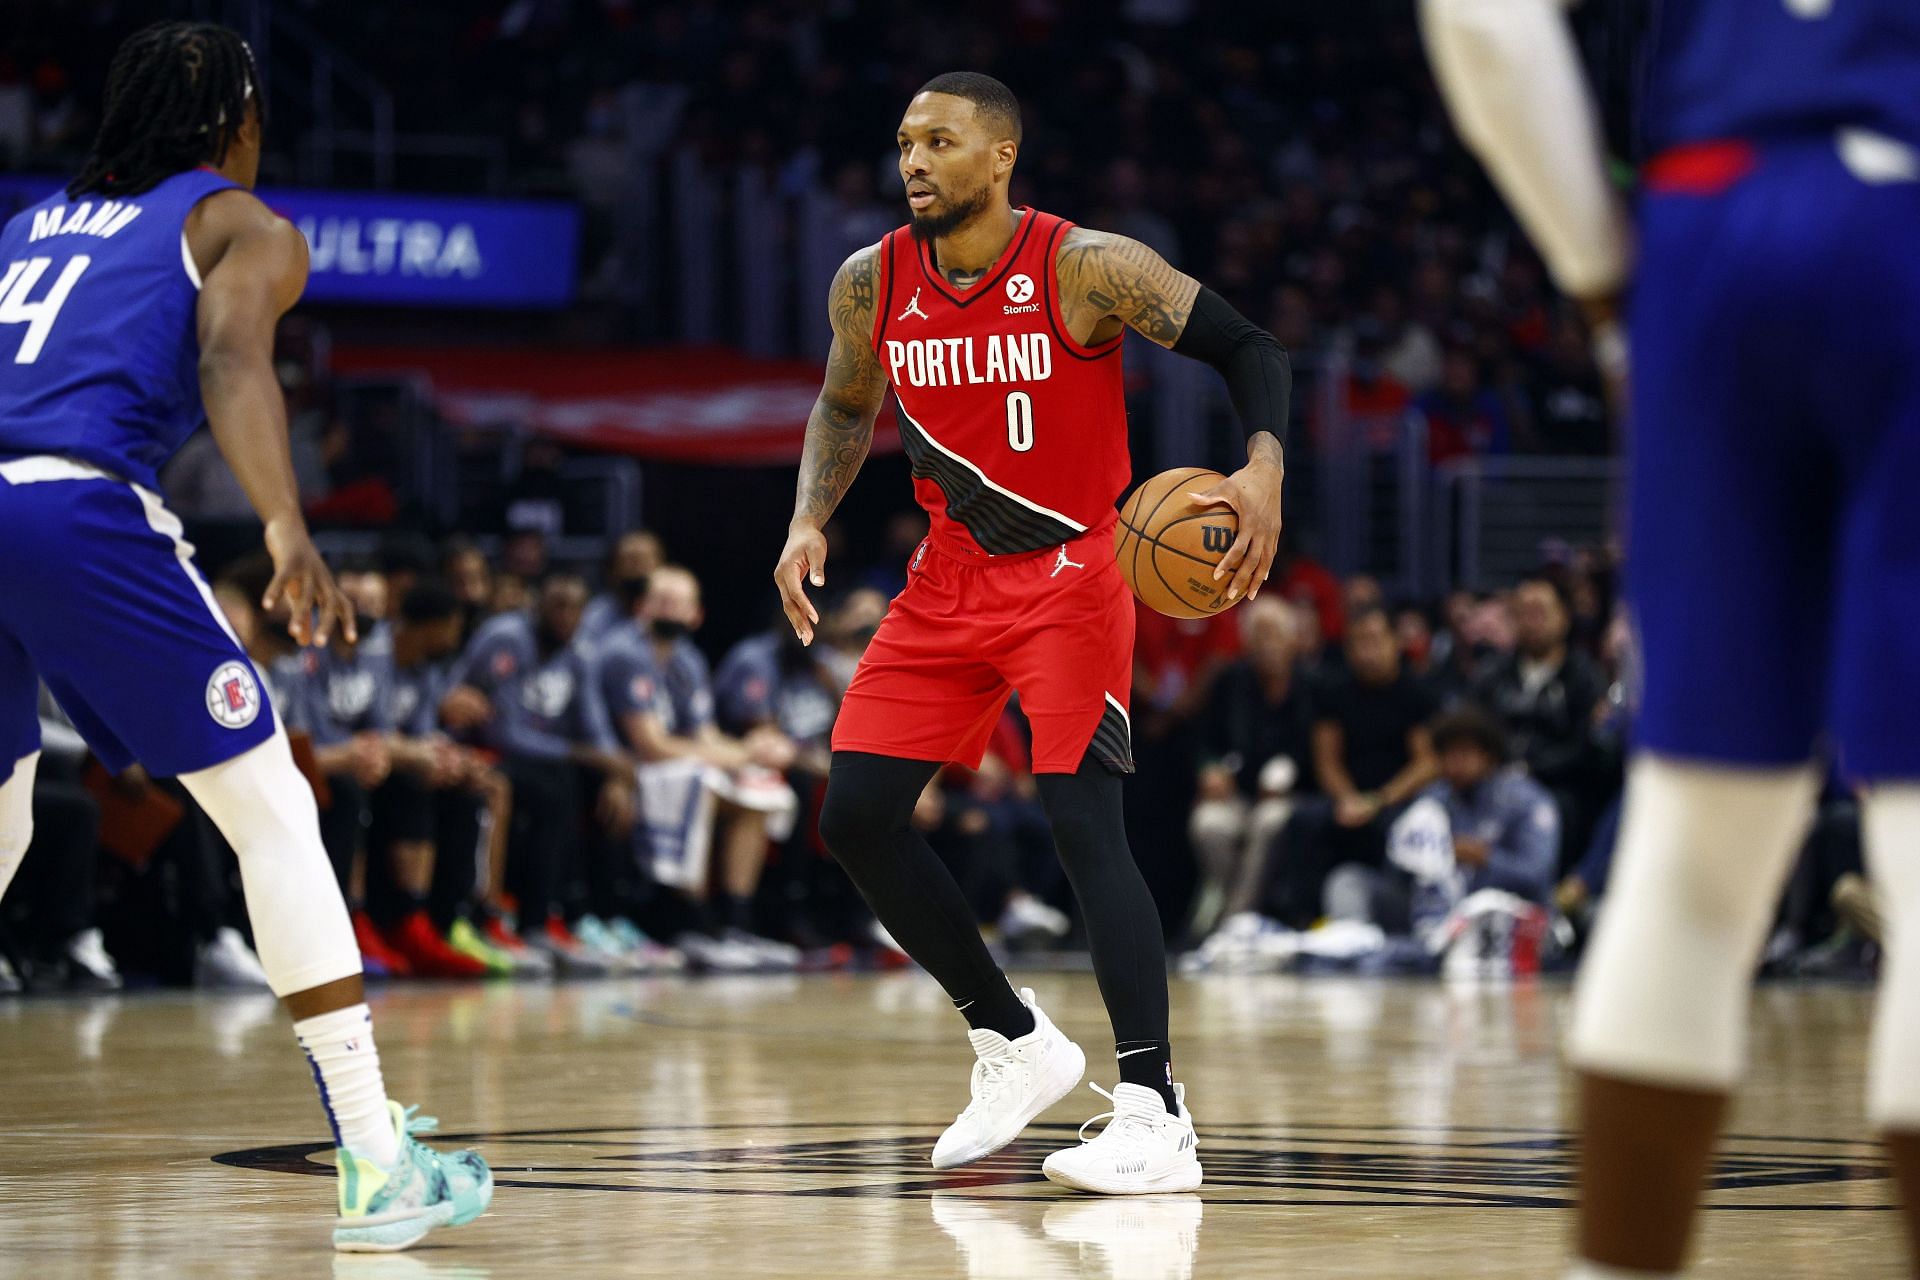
pixel 346 1066
pixel 1594 1271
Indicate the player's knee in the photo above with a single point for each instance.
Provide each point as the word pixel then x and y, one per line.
pixel 851 822
pixel 1080 836
pixel 1711 870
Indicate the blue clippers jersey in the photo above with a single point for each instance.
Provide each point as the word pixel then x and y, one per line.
pixel 1766 70
pixel 98 356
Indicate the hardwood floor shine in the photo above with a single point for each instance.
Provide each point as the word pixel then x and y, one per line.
pixel 780 1127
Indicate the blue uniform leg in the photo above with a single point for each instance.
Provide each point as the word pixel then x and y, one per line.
pixel 104 596
pixel 1730 542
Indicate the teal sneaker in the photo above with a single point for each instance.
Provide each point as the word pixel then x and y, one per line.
pixel 386 1210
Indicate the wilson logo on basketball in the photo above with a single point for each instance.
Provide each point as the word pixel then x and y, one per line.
pixel 1215 537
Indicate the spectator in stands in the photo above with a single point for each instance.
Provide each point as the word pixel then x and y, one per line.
pixel 527 689
pixel 1371 755
pixel 1546 693
pixel 511 594
pixel 1498 830
pixel 771 679
pixel 706 798
pixel 405 559
pixel 632 560
pixel 337 697
pixel 1463 416
pixel 1361 592
pixel 1256 743
pixel 1413 632
pixel 1305 582
pixel 524 555
pixel 470 576
pixel 1568 401
pixel 906 530
pixel 854 624
pixel 1175 661
pixel 535 503
pixel 439 821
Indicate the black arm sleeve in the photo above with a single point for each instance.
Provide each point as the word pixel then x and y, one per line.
pixel 1259 377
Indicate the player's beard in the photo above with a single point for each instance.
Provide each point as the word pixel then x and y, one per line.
pixel 953 215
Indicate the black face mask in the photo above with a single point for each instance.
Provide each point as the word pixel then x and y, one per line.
pixel 365 624
pixel 629 590
pixel 669 629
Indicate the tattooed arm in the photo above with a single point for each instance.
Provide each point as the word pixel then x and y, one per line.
pixel 1106 281
pixel 838 433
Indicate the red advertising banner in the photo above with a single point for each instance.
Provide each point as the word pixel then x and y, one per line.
pixel 679 404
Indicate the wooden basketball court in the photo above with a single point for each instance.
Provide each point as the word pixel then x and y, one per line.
pixel 779 1127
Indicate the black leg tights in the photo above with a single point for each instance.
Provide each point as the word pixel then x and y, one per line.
pixel 866 822
pixel 1123 925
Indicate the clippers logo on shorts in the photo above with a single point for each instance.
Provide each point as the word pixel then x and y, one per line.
pixel 233 696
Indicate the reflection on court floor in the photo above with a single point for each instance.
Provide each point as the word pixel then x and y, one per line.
pixel 781 1127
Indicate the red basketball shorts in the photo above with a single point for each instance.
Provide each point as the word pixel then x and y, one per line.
pixel 1056 625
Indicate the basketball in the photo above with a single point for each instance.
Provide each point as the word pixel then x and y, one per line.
pixel 1168 544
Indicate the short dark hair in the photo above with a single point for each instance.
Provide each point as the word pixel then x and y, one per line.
pixel 176 97
pixel 1472 726
pixel 1553 582
pixel 404 551
pixel 1366 613
pixel 989 97
pixel 429 600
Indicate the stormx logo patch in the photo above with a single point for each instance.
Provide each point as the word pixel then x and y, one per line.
pixel 1020 290
pixel 233 695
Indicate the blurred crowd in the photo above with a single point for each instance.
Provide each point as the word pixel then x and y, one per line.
pixel 524 768
pixel 1294 157
pixel 528 767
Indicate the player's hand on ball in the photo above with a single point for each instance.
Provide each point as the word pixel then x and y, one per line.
pixel 1254 494
pixel 302 578
pixel 802 560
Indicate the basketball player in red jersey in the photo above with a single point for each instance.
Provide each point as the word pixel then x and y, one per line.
pixel 999 330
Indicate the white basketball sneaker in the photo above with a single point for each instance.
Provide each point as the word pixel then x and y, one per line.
pixel 1013 1081
pixel 1142 1150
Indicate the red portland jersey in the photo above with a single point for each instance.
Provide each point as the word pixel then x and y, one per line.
pixel 1017 433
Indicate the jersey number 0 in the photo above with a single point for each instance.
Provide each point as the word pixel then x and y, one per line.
pixel 1019 421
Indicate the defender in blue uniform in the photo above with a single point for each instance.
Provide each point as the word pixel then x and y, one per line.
pixel 1773 540
pixel 135 304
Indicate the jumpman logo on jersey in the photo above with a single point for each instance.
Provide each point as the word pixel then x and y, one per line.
pixel 1064 563
pixel 913 309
